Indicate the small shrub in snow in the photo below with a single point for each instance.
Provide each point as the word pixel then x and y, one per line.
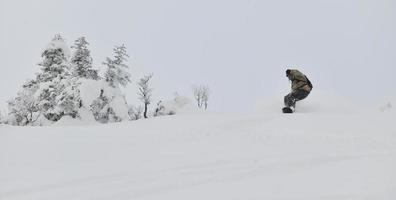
pixel 135 112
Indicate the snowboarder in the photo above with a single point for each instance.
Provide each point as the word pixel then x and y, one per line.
pixel 300 86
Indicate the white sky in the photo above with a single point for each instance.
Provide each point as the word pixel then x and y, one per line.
pixel 240 48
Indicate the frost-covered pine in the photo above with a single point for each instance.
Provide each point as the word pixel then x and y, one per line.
pixel 55 62
pixel 81 60
pixel 55 81
pixel 47 94
pixel 116 74
pixel 145 92
pixel 25 109
pixel 68 100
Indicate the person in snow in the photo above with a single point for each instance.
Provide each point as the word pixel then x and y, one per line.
pixel 300 86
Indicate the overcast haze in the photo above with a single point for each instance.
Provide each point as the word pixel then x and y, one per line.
pixel 239 48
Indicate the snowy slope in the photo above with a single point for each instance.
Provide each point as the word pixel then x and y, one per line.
pixel 304 156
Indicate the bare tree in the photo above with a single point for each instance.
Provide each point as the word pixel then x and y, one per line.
pixel 201 95
pixel 145 92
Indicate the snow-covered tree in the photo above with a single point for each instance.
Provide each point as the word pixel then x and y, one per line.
pixel 57 89
pixel 57 93
pixel 201 95
pixel 68 100
pixel 55 62
pixel 2 117
pixel 81 60
pixel 116 74
pixel 145 92
pixel 25 109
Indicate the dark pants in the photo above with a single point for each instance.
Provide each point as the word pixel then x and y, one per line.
pixel 290 99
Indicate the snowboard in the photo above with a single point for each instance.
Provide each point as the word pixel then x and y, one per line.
pixel 287 110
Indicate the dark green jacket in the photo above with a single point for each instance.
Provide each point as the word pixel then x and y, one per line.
pixel 299 81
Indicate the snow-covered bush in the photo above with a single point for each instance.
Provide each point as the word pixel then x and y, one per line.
pixel 177 105
pixel 101 110
pixel 24 109
pixel 135 112
pixel 107 104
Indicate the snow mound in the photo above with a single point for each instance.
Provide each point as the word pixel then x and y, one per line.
pixel 90 90
pixel 69 121
pixel 120 107
pixel 178 105
pixel 85 118
pixel 316 102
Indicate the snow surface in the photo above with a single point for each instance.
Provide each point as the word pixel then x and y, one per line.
pixel 310 155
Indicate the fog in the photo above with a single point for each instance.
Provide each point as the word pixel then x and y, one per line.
pixel 239 48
